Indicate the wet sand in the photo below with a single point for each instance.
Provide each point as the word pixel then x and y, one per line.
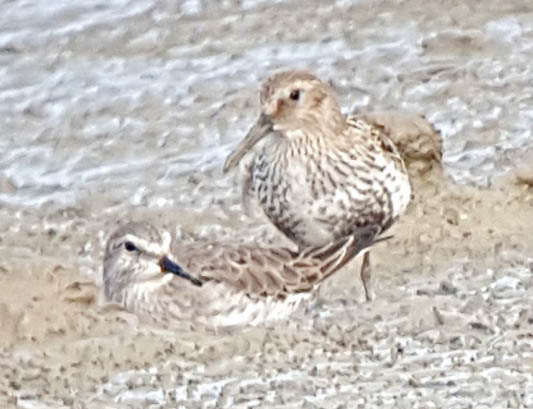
pixel 453 315
pixel 452 322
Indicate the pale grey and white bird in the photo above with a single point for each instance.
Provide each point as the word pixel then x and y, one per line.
pixel 321 176
pixel 215 285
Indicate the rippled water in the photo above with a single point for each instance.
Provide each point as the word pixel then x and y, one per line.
pixel 125 95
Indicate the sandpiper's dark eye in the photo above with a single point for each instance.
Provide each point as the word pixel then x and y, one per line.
pixel 130 246
pixel 295 95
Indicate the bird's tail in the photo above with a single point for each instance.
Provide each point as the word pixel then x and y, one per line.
pixel 337 254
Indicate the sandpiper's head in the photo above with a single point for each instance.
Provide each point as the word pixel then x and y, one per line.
pixel 137 254
pixel 292 103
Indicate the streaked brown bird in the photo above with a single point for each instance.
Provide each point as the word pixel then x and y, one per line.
pixel 215 285
pixel 321 176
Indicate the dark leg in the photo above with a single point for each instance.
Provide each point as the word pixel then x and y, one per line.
pixel 366 276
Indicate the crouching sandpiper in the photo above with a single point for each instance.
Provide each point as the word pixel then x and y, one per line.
pixel 215 285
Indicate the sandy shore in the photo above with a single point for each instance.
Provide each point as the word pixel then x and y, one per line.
pixel 452 315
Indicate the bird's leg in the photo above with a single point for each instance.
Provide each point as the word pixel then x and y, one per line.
pixel 366 277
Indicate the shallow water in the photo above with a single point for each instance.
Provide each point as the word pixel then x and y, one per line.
pixel 112 109
pixel 135 94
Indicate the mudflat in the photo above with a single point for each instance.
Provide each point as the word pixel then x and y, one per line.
pixel 127 111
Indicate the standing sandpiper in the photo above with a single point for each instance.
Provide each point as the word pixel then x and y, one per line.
pixel 321 176
pixel 215 285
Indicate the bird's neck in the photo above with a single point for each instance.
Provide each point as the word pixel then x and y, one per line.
pixel 139 292
pixel 316 133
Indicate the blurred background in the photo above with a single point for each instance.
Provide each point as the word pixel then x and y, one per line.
pixel 125 96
